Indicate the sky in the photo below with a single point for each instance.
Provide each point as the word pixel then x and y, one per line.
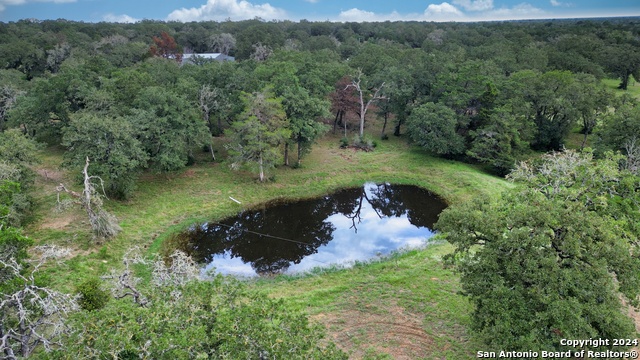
pixel 313 10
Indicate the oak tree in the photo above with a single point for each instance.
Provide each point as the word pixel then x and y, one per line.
pixel 433 127
pixel 256 136
pixel 553 257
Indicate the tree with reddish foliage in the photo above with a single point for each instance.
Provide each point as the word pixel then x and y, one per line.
pixel 165 46
pixel 343 100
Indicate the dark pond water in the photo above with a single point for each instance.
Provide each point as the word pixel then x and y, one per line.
pixel 341 228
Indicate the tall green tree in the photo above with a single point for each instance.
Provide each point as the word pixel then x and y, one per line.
pixel 400 92
pixel 623 61
pixel 501 141
pixel 8 96
pixel 619 127
pixel 255 138
pixel 17 154
pixel 117 156
pixel 121 52
pixel 433 127
pixel 592 100
pixel 303 112
pixel 550 104
pixel 169 127
pixel 552 258
pixel 302 109
pixel 44 110
pixel 266 35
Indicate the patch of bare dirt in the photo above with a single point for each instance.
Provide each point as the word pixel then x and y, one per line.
pixel 189 173
pixel 58 221
pixel 50 175
pixel 347 157
pixel 394 331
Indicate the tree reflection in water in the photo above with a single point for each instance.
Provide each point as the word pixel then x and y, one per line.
pixel 277 236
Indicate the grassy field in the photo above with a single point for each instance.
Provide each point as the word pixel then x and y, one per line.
pixel 406 306
pixel 575 138
pixel 633 88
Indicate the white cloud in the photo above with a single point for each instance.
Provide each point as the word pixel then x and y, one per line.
pixel 5 3
pixel 223 9
pixel 475 5
pixel 560 3
pixel 119 18
pixel 356 15
pixel 444 11
pixel 518 12
pixel 312 1
pixel 448 12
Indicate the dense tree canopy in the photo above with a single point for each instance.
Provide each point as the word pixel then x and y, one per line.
pixel 550 259
pixel 179 316
pixel 110 143
pixel 17 154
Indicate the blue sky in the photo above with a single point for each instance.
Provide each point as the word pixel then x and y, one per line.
pixel 342 10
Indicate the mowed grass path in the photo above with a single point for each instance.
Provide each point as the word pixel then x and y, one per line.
pixel 407 306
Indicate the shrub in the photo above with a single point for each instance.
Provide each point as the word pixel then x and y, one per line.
pixel 215 319
pixel 92 296
pixel 364 142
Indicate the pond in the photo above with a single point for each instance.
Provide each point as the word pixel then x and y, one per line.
pixel 350 225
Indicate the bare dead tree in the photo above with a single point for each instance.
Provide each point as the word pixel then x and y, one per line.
pixel 57 55
pixel 632 149
pixel 209 101
pixel 124 282
pixel 222 43
pixel 32 315
pixel 103 224
pixel 8 96
pixel 376 96
pixel 557 172
pixel 261 52
pixel 181 270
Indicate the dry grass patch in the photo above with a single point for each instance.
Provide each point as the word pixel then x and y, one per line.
pixel 384 328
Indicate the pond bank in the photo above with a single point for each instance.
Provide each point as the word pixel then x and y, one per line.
pixel 167 203
pixel 406 306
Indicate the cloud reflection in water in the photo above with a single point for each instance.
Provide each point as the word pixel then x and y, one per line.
pixel 350 225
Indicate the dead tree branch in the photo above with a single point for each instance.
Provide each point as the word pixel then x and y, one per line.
pixel 355 83
pixel 125 283
pixel 632 149
pixel 103 224
pixel 30 314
